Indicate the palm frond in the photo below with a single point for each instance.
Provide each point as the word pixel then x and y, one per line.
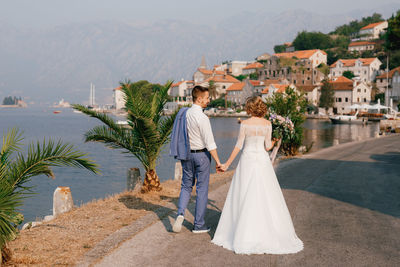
pixel 104 118
pixel 41 157
pixel 11 143
pixel 9 203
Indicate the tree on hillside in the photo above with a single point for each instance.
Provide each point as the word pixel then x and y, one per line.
pixel 241 77
pixel 326 98
pixel 348 74
pixel 253 76
pixel 392 40
pixel 354 26
pixel 279 48
pixel 312 40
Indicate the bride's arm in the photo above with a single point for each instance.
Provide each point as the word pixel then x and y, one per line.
pixel 269 144
pixel 233 155
pixel 236 149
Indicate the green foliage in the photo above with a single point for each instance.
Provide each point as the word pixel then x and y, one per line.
pixel 241 77
pixel 212 89
pixel 148 129
pixel 11 100
pixel 324 69
pixel 16 171
pixel 392 36
pixel 220 102
pixel 348 74
pixel 253 76
pixel 293 105
pixel 394 59
pixel 340 41
pixel 354 26
pixel 326 98
pixel 340 53
pixel 312 40
pixel 380 96
pixel 279 48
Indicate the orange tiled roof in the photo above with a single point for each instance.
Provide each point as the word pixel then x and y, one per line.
pixel 271 81
pixel 117 88
pixel 372 25
pixel 210 72
pixel 236 87
pixel 299 54
pixel 255 65
pixel 352 62
pixel 307 88
pixel 361 43
pixel 177 84
pixel 383 76
pixel 265 91
pixel 342 83
pixel 223 79
pixel 281 88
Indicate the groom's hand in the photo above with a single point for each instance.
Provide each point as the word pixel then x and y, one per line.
pixel 219 168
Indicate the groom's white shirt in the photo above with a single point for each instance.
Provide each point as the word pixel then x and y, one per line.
pixel 199 129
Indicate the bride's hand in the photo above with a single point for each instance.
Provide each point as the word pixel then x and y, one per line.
pixel 224 167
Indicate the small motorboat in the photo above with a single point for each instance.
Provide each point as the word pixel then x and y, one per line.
pixel 347 119
pixel 56 111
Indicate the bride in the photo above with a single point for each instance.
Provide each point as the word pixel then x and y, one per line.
pixel 255 218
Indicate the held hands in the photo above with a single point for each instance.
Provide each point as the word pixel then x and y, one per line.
pixel 222 167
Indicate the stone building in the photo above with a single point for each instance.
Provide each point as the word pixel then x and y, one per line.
pixel 299 67
pixel 366 69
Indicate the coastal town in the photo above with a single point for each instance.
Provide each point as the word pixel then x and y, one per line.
pixel 354 81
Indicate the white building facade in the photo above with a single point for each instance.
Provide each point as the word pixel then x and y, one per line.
pixel 366 69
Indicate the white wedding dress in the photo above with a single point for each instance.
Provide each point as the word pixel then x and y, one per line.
pixel 255 218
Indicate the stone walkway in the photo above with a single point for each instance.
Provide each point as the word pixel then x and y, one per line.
pixel 344 202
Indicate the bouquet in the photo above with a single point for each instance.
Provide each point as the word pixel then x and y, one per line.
pixel 281 127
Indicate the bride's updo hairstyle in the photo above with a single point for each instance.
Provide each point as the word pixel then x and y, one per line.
pixel 256 107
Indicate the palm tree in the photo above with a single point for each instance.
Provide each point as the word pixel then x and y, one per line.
pixel 16 171
pixel 212 89
pixel 148 129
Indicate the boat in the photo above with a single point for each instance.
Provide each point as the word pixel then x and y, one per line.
pixel 56 111
pixel 348 119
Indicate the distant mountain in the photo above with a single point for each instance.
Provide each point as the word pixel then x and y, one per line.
pixel 45 66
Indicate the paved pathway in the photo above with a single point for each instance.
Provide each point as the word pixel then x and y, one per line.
pixel 345 205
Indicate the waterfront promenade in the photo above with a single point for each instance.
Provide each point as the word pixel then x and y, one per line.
pixel 344 202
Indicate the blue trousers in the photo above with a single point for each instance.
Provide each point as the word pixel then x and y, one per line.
pixel 196 170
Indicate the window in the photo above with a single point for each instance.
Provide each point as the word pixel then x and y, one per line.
pixel 365 90
pixel 365 100
pixel 358 99
pixel 294 81
pixel 365 72
pixel 340 99
pixel 359 90
pixel 308 78
pixel 303 81
pixel 347 99
pixel 333 73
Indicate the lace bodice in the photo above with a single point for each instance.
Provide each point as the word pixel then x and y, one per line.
pixel 254 137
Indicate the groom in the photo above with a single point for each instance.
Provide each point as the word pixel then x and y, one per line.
pixel 196 164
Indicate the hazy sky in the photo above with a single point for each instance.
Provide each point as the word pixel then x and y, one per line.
pixel 47 13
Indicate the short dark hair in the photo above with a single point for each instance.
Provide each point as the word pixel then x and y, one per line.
pixel 197 90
